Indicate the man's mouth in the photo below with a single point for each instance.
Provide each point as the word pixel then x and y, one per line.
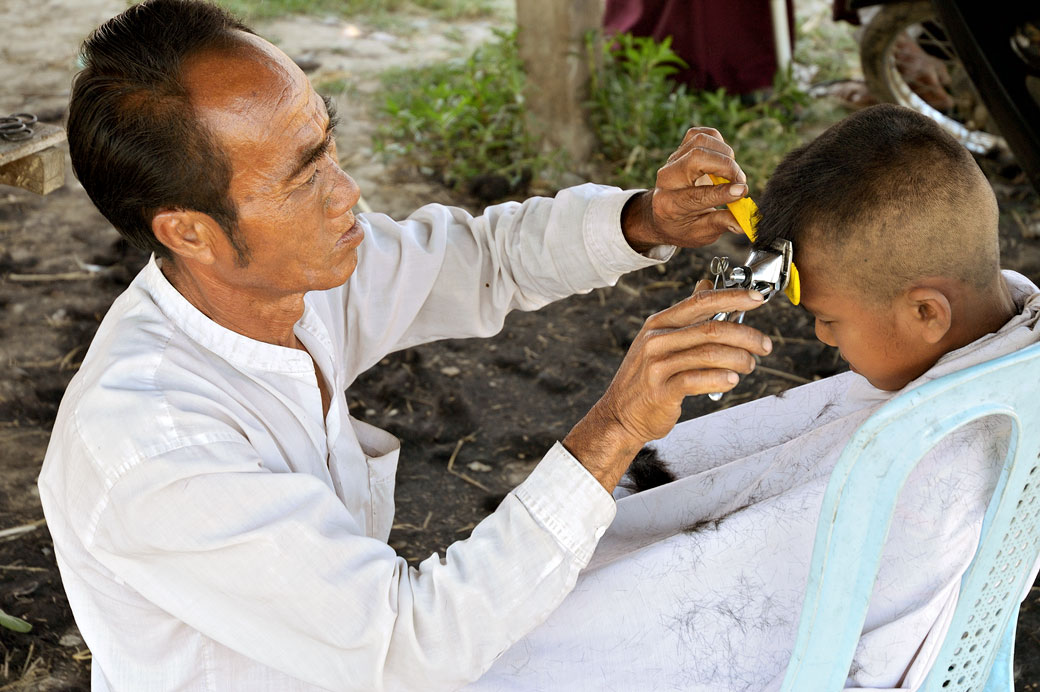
pixel 352 237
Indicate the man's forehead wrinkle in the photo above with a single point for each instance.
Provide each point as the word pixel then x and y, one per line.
pixel 310 131
pixel 255 106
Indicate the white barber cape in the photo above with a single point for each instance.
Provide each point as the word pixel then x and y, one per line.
pixel 213 532
pixel 698 583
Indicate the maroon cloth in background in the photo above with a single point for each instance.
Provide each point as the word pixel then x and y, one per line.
pixel 726 44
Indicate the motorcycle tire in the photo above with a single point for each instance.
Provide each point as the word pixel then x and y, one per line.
pixel 954 103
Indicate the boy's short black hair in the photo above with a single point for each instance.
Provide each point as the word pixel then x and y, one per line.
pixel 890 197
pixel 136 143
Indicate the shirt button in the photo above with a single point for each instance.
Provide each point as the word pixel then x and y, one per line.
pixel 600 531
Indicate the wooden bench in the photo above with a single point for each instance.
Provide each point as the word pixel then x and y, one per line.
pixel 35 164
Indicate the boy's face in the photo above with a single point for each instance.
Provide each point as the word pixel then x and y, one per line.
pixel 872 336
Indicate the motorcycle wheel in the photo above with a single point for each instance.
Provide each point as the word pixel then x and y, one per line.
pixel 909 31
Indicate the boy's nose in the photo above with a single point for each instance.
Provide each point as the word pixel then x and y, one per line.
pixel 823 333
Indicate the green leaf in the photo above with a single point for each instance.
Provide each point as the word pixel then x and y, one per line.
pixel 13 623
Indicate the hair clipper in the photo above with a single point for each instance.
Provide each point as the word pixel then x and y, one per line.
pixel 767 271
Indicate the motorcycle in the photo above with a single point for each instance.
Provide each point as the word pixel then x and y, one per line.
pixel 972 67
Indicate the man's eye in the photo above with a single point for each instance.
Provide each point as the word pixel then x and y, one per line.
pixel 314 177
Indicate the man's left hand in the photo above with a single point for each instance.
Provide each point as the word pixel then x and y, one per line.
pixel 681 209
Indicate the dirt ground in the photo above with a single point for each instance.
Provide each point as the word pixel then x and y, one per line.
pixel 473 415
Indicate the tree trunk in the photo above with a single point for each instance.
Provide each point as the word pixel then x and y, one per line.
pixel 552 46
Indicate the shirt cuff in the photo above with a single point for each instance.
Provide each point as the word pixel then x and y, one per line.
pixel 564 498
pixel 609 250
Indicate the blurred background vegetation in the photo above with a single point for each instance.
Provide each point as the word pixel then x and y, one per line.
pixel 638 115
pixel 370 9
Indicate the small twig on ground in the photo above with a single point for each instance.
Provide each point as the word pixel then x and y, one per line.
pixel 28 658
pixel 63 276
pixel 627 289
pixel 414 527
pixel 23 568
pixel 81 656
pixel 781 339
pixel 13 434
pixel 782 374
pixel 1027 232
pixel 656 285
pixel 15 531
pixel 460 474
pixel 34 671
pixel 63 362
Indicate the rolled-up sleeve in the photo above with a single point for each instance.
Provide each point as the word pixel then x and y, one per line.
pixel 442 273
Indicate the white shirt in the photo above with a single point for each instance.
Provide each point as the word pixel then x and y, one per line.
pixel 214 532
pixel 706 575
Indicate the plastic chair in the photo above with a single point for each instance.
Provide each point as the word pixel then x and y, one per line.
pixel 977 652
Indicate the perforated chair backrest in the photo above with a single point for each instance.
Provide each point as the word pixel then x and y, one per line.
pixel 857 510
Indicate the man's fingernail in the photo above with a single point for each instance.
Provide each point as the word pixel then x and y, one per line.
pixel 756 296
pixel 733 378
pixel 767 344
pixel 737 190
pixel 735 229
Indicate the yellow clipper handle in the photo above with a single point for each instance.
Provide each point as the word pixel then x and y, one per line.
pixel 744 210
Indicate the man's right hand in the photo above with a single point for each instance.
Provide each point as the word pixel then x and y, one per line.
pixel 679 352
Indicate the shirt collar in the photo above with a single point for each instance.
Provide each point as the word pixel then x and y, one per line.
pixel 233 347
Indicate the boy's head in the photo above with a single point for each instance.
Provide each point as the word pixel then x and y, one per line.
pixel 894 230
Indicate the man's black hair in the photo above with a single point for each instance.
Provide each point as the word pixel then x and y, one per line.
pixel 136 143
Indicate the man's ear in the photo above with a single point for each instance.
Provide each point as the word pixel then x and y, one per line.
pixel 929 313
pixel 187 234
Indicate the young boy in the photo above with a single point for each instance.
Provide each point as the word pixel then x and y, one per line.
pixel 895 232
pixel 698 583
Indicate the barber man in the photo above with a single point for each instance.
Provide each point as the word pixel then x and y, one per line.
pixel 219 518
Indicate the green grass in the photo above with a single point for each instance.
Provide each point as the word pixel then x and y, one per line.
pixel 462 119
pixel 639 115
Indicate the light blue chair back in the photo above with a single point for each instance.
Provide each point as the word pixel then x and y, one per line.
pixel 857 510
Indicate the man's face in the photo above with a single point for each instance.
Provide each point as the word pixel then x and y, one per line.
pixel 870 334
pixel 294 202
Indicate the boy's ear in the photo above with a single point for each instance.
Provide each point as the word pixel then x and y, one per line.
pixel 188 234
pixel 929 313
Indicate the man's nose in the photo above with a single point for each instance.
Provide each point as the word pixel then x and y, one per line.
pixel 345 194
